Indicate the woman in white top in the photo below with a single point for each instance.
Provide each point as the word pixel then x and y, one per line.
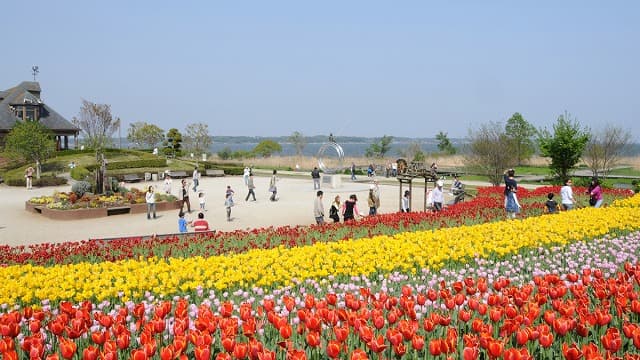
pixel 566 194
pixel 150 197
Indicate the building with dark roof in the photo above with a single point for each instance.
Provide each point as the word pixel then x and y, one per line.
pixel 23 103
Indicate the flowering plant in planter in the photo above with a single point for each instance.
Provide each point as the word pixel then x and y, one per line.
pixel 69 200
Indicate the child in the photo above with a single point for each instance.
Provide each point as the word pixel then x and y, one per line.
pixel 182 222
pixel 201 200
pixel 551 206
pixel 228 203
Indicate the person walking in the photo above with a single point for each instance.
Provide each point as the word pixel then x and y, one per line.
pixel 350 208
pixel 251 187
pixel 202 200
pixel 28 176
pixel 184 195
pixel 373 201
pixel 245 175
pixel 273 189
pixel 228 203
pixel 196 179
pixel 318 208
pixel 566 195
pixel 438 196
pixel 595 193
pixel 150 197
pixel 334 210
pixel 315 175
pixel 353 171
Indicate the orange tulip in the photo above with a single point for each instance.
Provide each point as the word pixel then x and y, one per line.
pixel 571 352
pixel 202 353
pixel 333 349
pixel 241 350
pixel 470 353
pixel 611 340
pixel 67 347
pixel 138 354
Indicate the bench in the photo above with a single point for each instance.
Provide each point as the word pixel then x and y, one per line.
pixel 131 178
pixel 178 174
pixel 214 172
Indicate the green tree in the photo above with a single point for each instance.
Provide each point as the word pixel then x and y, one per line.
pixel 521 133
pixel 444 144
pixel 565 146
pixel 604 149
pixel 225 153
pixel 144 135
pixel 97 125
pixel 173 143
pixel 298 141
pixel 197 139
pixel 489 152
pixel 266 148
pixel 380 147
pixel 32 141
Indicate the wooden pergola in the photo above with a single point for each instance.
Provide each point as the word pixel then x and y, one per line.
pixel 407 173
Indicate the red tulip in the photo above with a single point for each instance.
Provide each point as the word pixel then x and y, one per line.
pixel 495 348
pixel 546 339
pixel 138 354
pixel 285 331
pixel 229 343
pixel 223 356
pixel 470 353
pixel 202 353
pixel 417 342
pixel 611 340
pixel 571 352
pixel 313 339
pixel 241 350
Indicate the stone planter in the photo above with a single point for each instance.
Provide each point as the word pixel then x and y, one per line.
pixel 74 214
pixel 34 208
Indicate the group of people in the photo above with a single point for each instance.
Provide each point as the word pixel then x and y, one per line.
pixel 347 209
pixel 273 188
pixel 567 200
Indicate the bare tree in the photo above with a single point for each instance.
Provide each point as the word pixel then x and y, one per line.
pixel 197 139
pixel 298 141
pixel 489 151
pixel 97 124
pixel 603 151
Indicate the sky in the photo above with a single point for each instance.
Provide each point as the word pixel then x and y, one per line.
pixel 351 68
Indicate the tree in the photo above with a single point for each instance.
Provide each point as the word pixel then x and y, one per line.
pixel 97 124
pixel 379 147
pixel 266 148
pixel 298 141
pixel 564 146
pixel 144 135
pixel 444 144
pixel 197 139
pixel 520 132
pixel 413 152
pixel 604 149
pixel 32 141
pixel 489 152
pixel 173 143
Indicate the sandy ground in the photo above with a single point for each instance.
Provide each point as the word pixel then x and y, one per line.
pixel 295 207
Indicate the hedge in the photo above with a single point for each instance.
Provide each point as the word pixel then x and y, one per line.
pixel 43 181
pixel 132 164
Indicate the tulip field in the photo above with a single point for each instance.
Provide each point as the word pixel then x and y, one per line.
pixel 460 284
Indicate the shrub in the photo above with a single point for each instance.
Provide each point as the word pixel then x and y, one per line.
pixel 79 173
pixel 225 153
pixel 81 187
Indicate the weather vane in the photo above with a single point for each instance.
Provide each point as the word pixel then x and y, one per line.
pixel 35 71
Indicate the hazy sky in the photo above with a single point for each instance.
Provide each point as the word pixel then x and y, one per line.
pixel 360 68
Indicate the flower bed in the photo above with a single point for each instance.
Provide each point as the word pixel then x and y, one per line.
pixel 67 206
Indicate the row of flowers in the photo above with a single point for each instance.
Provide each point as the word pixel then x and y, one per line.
pixel 379 254
pixel 485 207
pixel 557 309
